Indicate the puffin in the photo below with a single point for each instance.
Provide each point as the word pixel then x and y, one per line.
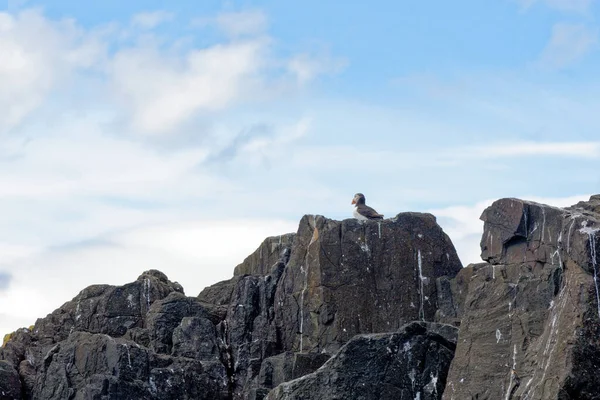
pixel 363 212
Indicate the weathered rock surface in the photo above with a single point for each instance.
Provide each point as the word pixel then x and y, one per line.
pixel 106 309
pixel 288 308
pixel 10 385
pixel 332 280
pixel 87 366
pixel 409 364
pixel 268 254
pixel 530 317
pixel 350 277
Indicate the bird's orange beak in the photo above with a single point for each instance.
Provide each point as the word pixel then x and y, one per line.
pixel 353 201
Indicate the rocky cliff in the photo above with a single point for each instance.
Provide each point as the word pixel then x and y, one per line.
pixel 342 310
pixel 530 315
pixel 289 307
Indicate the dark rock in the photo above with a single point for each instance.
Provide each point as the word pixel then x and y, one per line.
pixel 272 250
pixel 10 385
pixel 288 366
pixel 99 366
pixel 518 231
pixel 15 349
pixel 220 293
pixel 409 364
pixel 140 336
pixel 292 302
pixel 196 337
pixel 452 295
pixel 350 277
pixel 250 333
pixel 106 309
pixel 167 314
pixel 531 317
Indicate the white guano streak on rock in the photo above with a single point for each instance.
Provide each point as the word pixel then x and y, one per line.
pixel 128 356
pixel 130 302
pixel 433 382
pixel 78 311
pixel 591 232
pixel 556 312
pixel 147 292
pixel 302 306
pixel 512 372
pixel 421 294
pixel 313 240
pixel 526 222
pixel 543 222
pixel 573 220
pixel 412 375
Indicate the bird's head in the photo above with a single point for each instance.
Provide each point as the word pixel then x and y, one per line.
pixel 359 198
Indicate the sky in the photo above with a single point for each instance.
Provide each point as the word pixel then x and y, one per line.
pixel 138 135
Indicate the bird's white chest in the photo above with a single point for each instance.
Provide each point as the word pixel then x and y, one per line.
pixel 358 215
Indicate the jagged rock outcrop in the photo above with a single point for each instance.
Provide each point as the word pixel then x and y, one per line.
pixel 269 252
pixel 338 279
pixel 350 277
pixel 409 364
pixel 530 317
pixel 289 306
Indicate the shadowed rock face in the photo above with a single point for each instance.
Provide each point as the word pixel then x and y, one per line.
pixel 90 366
pixel 409 364
pixel 10 385
pixel 530 316
pixel 288 308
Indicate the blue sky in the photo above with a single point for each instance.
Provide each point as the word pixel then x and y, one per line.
pixel 142 135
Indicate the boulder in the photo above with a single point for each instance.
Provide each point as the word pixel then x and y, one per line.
pixel 10 385
pixel 286 367
pixel 167 314
pixel 409 364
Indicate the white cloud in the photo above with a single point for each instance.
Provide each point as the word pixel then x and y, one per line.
pixel 156 87
pixel 305 67
pixel 37 54
pixel 569 44
pixel 150 20
pixel 348 157
pixel 268 149
pixel 10 253
pixel 81 160
pixel 162 90
pixel 562 149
